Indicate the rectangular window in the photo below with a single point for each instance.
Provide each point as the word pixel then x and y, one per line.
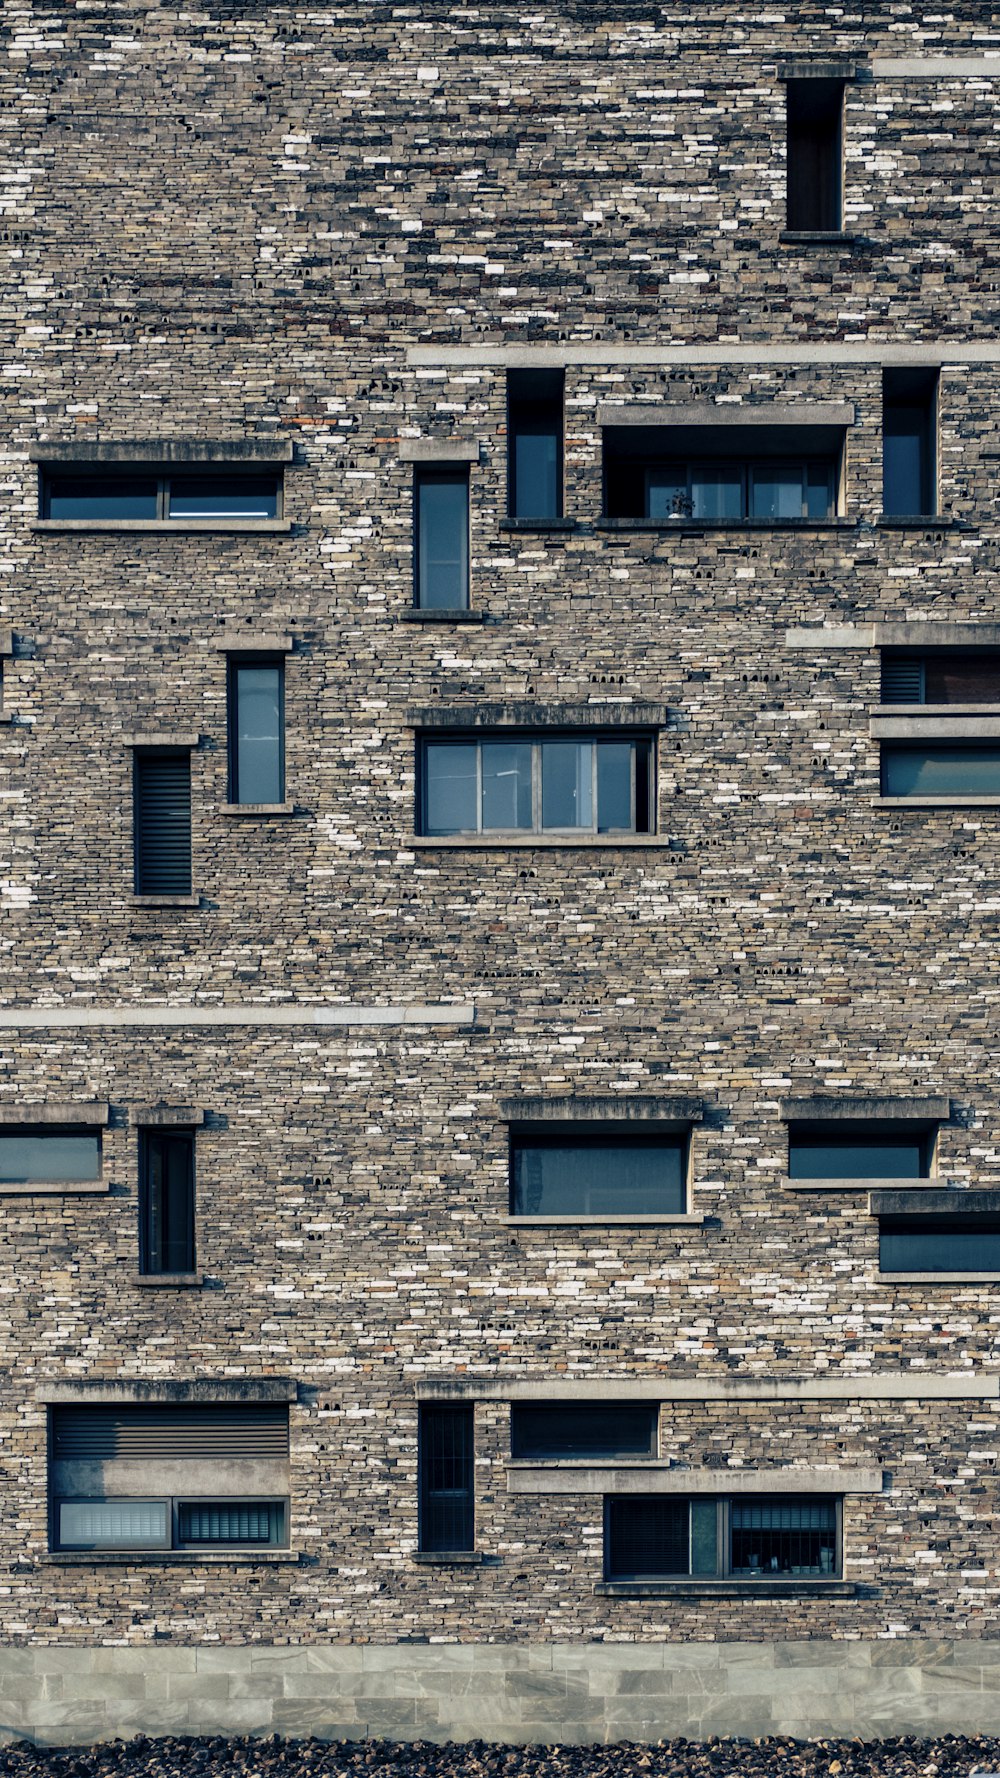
pixel 941 679
pixel 535 444
pixel 166 1201
pixel 814 146
pixel 151 492
pixel 441 539
pixel 764 472
pixel 598 1429
pixel 942 771
pixel 256 729
pixel 656 1537
pixel 939 1244
pixel 530 785
pixel 847 1150
pixel 168 1523
pixel 162 822
pixel 116 494
pixel 226 494
pixel 207 1524
pixel 446 1476
pixel 741 490
pixel 49 1156
pixel 909 438
pixel 589 1175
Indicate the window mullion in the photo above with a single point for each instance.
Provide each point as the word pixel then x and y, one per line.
pixel 536 786
pixel 479 787
pixel 594 812
pixel 162 500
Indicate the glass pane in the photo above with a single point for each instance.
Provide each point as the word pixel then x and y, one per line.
pixel 614 786
pixel 667 493
pixel 443 542
pixel 783 1537
pixel 223 497
pixel 583 1429
pixel 717 492
pixel 450 799
pixel 704 1537
pixel 567 784
pixel 647 1537
pixel 207 1522
pixel 939 1244
pixel 111 496
pixel 941 771
pixel 258 777
pixel 536 469
pixel 113 1524
pixel 447 1498
pixel 27 1156
pixel 776 491
pixel 599 1178
pixel 819 491
pixel 506 785
pixel 905 461
pixel 168 1193
pixel 857 1157
pixel 962 679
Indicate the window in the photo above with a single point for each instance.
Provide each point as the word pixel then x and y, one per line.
pixel 657 1537
pixel 740 491
pixel 106 1462
pixel 441 539
pixel 815 120
pixel 524 784
pixel 722 474
pixel 878 1149
pixel 162 822
pixel 166 1201
pixel 939 1244
pixel 45 1155
pixel 118 492
pixel 445 1463
pixel 535 444
pixel 948 769
pixel 598 1429
pixel 583 1174
pixel 256 729
pixel 951 678
pixel 909 436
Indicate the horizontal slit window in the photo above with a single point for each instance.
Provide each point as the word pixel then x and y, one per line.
pixel 847 1150
pixel 112 1524
pixel 941 679
pixel 169 1523
pixel 227 496
pixel 526 784
pixel 116 495
pixel 195 1430
pixel 657 1537
pixel 119 492
pixel 939 1244
pixel 202 1524
pixel 598 1175
pixel 50 1156
pixel 724 475
pixel 599 1429
pixel 941 770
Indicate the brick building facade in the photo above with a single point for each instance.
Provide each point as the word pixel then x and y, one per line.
pixel 273 276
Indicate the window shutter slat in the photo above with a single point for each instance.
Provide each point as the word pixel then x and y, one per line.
pixel 102 1434
pixel 163 824
pixel 903 682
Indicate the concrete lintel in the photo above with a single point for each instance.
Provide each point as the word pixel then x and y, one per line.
pixel 985 67
pixel 819 638
pixel 536 716
pixel 941 726
pixel 614 1108
pixel 192 1477
pixel 65 1112
pixel 821 68
pixel 823 1107
pixel 163 450
pixel 108 1391
pixel 70 1018
pixel 898 1201
pixel 912 1385
pixel 166 1117
pixel 727 414
pixel 253 642
pixel 498 356
pixel 439 450
pixel 186 738
pixel 6 644
pixel 651 1478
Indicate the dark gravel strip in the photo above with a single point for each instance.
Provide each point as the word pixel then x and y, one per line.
pixel 201 1757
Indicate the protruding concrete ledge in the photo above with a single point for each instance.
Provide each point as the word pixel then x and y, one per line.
pixel 936 712
pixel 185 738
pixel 670 1109
pixel 150 526
pixel 183 1117
pixel 256 809
pixel 818 237
pixel 253 642
pixel 897 1200
pixel 590 1225
pixel 938 725
pixel 163 450
pixel 926 1107
pixel 939 1277
pixel 497 355
pixel 165 901
pixel 439 450
pixel 936 67
pixel 698 526
pixel 914 1385
pixel 935 802
pixel 736 415
pixel 728 1589
pixel 108 1391
pixel 646 1477
pixel 65 1112
pixel 915 522
pixel 173 1558
pixel 820 638
pixel 415 614
pixel 54 1188
pixel 854 1185
pixel 499 842
pixel 535 716
pixel 193 1017
pixel 167 1280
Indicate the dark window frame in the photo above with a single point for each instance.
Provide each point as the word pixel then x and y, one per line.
pixel 815 115
pixel 747 468
pixel 913 391
pixel 174 1505
pixel 537 738
pixel 891 751
pixel 151 1137
pixel 724 1569
pixel 91 1132
pixel 819 1132
pixel 425 474
pixel 462 1501
pixel 905 677
pixel 609 1135
pixel 928 1226
pixel 235 664
pixel 142 757
pixel 522 1450
pixel 102 478
pixel 533 407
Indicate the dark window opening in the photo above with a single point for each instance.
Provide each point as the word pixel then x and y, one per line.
pixel 890 1149
pixel 166 1201
pixel 115 495
pixel 592 1175
pixel 51 1156
pixel 655 1537
pixel 815 123
pixel 203 1524
pixel 256 729
pixel 909 428
pixel 722 475
pixel 942 771
pixel 223 495
pixel 598 1429
pixel 117 492
pixel 941 679
pixel 197 1430
pixel 445 1460
pixel 162 822
pixel 525 784
pixel 939 1244
pixel 535 444
pixel 168 1523
pixel 441 539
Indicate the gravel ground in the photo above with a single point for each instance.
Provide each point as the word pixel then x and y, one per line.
pixel 177 1757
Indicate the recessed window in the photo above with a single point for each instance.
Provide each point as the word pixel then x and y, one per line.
pixel 445 1460
pixel 535 444
pixel 162 821
pixel 655 1537
pixel 49 1156
pixel 597 1175
pixel 941 678
pixel 722 474
pixel 524 784
pixel 256 728
pixel 166 1202
pixel 942 771
pixel 169 1523
pixel 594 1429
pixel 939 1244
pixel 119 492
pixel 116 494
pixel 814 146
pixel 857 1150
pixel 441 539
pixel 909 433
pixel 222 495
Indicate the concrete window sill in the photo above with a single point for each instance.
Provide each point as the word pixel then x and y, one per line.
pixel 818 237
pixel 500 842
pixel 680 526
pixel 856 1185
pixel 250 809
pixel 174 1558
pixel 927 521
pixel 271 527
pixel 417 614
pixel 680 1219
pixel 55 1188
pixel 726 1589
pixel 168 1280
pixel 448 1558
pixel 939 1277
pixel 166 901
pixel 555 525
pixel 936 802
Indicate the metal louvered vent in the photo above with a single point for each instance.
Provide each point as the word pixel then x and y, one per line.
pixel 216 1522
pixel 162 823
pixel 101 1434
pixel 902 681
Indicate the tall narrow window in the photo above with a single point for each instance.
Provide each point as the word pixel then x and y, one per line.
pixel 815 149
pixel 535 444
pixel 909 427
pixel 445 1461
pixel 166 1201
pixel 162 822
pixel 256 729
pixel 441 513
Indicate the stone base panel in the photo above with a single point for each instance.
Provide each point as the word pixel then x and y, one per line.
pixel 542 1693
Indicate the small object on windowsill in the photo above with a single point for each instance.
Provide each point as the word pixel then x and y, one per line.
pixel 257 809
pixel 429 614
pixel 449 1558
pixel 168 1280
